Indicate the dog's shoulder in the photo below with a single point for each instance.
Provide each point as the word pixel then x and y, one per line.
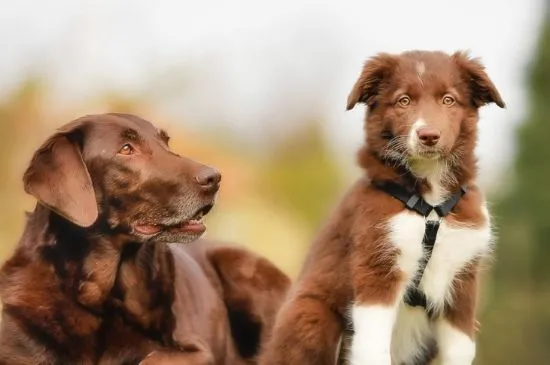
pixel 253 289
pixel 32 304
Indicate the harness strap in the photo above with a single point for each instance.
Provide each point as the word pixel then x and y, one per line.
pixel 414 296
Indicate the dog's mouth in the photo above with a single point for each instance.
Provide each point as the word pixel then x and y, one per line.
pixel 428 154
pixel 193 225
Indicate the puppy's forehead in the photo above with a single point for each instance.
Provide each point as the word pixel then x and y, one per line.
pixel 431 59
pixel 425 68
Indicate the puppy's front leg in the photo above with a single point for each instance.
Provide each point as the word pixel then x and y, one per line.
pixel 378 290
pixel 455 331
pixel 373 330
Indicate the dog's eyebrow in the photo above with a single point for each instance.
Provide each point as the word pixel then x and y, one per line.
pixel 130 134
pixel 164 136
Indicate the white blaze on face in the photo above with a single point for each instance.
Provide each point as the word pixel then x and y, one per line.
pixel 424 167
pixel 420 69
pixel 413 137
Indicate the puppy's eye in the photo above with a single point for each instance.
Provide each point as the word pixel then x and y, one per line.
pixel 126 149
pixel 404 101
pixel 448 100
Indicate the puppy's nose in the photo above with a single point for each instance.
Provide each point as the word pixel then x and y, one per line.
pixel 428 136
pixel 209 179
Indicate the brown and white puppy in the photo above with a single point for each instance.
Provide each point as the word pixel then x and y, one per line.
pixel 95 278
pixel 421 128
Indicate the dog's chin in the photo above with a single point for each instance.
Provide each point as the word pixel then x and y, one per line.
pixel 182 238
pixel 173 229
pixel 169 236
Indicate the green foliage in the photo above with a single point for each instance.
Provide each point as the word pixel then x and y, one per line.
pixel 517 318
pixel 302 176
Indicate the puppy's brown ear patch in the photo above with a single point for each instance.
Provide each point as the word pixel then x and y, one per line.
pixel 371 81
pixel 482 89
pixel 58 178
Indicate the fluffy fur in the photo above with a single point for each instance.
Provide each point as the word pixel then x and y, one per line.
pixel 421 131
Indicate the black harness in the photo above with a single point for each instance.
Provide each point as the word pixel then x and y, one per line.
pixel 414 296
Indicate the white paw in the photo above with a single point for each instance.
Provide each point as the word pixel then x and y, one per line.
pixel 362 355
pixel 455 347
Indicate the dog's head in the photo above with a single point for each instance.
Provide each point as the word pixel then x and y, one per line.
pixel 422 106
pixel 115 172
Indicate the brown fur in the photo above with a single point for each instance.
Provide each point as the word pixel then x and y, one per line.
pixel 348 262
pixel 94 279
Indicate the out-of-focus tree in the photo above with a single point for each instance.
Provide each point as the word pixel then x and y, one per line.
pixel 303 175
pixel 516 318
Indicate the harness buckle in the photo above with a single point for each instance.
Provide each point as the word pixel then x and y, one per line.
pixel 412 201
pixel 438 220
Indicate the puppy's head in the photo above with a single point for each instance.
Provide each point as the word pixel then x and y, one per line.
pixel 422 106
pixel 117 173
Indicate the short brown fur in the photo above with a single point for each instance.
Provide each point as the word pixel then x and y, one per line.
pixel 95 279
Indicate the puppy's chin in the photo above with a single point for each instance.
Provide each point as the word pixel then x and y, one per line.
pixel 424 158
pixel 424 154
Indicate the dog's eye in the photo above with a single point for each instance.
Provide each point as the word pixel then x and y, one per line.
pixel 448 100
pixel 126 149
pixel 404 101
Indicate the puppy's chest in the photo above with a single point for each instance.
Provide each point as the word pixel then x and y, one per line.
pixel 457 244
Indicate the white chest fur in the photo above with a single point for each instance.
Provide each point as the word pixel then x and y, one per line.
pixel 396 334
pixel 456 245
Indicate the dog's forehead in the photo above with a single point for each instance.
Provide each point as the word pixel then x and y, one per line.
pixel 427 68
pixel 124 124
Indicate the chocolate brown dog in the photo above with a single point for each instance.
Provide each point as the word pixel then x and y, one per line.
pixel 95 278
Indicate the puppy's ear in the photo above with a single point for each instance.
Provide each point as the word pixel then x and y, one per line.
pixel 371 81
pixel 58 178
pixel 482 89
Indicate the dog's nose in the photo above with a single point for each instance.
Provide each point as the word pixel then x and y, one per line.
pixel 209 179
pixel 428 136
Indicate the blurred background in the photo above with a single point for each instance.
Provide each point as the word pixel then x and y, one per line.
pixel 258 89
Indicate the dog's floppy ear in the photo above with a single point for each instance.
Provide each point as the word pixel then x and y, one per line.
pixel 58 178
pixel 482 89
pixel 371 80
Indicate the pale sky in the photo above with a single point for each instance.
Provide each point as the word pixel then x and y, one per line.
pixel 256 66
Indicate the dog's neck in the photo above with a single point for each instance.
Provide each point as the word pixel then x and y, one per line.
pixel 144 289
pixel 63 269
pixel 85 261
pixel 434 180
pixel 96 268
